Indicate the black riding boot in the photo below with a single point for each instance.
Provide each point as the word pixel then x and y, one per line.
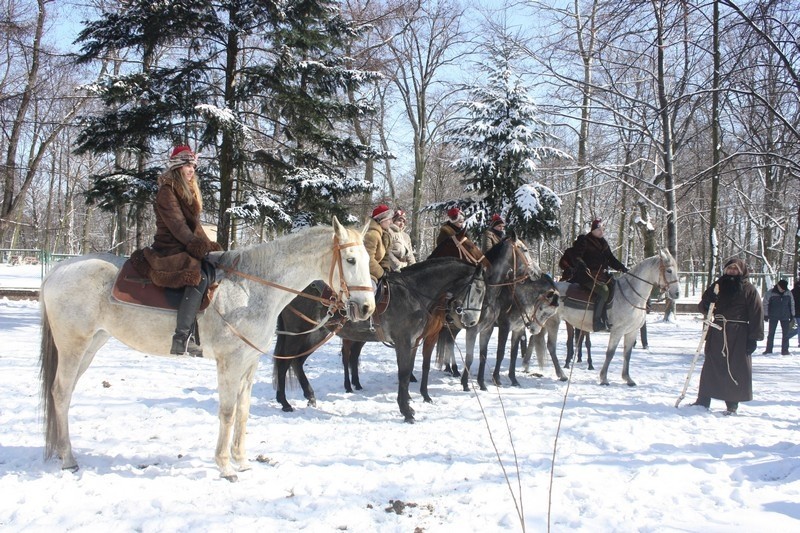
pixel 183 341
pixel 600 317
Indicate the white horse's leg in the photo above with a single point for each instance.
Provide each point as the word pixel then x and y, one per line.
pixel 630 338
pixel 613 342
pixel 75 355
pixel 242 414
pixel 228 386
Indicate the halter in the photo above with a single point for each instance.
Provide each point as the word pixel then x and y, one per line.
pixel 335 303
pixel 663 283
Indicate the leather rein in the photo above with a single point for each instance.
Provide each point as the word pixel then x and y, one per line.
pixel 335 303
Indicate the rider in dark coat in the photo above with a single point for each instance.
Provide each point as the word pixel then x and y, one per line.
pixel 727 369
pixel 589 258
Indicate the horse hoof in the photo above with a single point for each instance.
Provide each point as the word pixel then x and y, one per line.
pixel 348 389
pixel 358 387
pixel 72 469
pixel 412 379
pixel 409 419
pixel 287 409
pixel 428 399
pixel 631 384
pixel 483 387
pixel 604 384
pixel 312 402
pixel 590 367
pixel 515 383
pixel 563 378
pixel 233 478
pixel 566 365
pixel 466 388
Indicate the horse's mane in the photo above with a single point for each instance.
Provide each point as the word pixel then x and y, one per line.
pixel 286 245
pixel 494 252
pixel 433 261
pixel 646 262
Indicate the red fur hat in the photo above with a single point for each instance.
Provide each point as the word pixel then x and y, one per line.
pixel 381 212
pixel 496 219
pixel 454 214
pixel 181 155
pixel 399 214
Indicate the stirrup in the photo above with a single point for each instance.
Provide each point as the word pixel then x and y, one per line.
pixel 183 344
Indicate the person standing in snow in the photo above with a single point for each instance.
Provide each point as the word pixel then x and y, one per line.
pixel 400 253
pixel 727 372
pixel 778 306
pixel 796 296
pixel 180 244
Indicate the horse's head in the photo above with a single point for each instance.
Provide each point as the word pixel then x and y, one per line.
pixel 468 303
pixel 668 275
pixel 350 272
pixel 538 301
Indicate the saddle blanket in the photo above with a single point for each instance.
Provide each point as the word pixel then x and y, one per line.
pixel 133 289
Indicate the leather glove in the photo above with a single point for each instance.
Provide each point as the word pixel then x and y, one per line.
pixel 751 346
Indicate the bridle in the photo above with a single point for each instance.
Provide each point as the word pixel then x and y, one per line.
pixel 663 283
pixel 337 302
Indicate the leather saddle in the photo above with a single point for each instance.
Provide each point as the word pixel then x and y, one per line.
pixel 133 289
pixel 578 297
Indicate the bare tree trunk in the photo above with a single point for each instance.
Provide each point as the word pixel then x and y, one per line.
pixel 714 260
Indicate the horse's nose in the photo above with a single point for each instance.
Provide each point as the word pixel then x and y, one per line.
pixel 366 310
pixel 468 324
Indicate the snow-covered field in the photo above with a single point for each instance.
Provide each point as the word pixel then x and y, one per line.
pixel 144 430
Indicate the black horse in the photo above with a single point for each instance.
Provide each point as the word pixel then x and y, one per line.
pixel 516 298
pixel 417 296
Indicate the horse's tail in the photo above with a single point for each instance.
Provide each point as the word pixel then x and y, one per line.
pixel 441 350
pixel 48 361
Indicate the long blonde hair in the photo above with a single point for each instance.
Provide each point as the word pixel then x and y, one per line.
pixel 189 192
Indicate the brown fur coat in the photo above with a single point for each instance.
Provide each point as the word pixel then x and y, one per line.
pixel 173 260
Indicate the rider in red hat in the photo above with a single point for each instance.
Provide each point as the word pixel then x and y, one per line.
pixel 175 258
pixel 494 233
pixel 376 241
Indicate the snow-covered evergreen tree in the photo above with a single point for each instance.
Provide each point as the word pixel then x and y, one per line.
pixel 502 142
pixel 262 85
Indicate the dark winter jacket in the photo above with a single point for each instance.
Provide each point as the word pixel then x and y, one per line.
pixel 179 244
pixel 596 254
pixel 728 350
pixel 778 305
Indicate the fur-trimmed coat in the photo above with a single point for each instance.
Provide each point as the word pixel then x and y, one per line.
pixel 173 260
pixel 375 242
pixel 400 253
pixel 490 238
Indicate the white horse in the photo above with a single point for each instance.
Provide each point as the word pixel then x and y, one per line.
pixel 626 314
pixel 79 316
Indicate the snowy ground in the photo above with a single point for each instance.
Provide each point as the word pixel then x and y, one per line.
pixel 144 430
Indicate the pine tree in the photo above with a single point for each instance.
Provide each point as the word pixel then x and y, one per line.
pixel 502 143
pixel 261 84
